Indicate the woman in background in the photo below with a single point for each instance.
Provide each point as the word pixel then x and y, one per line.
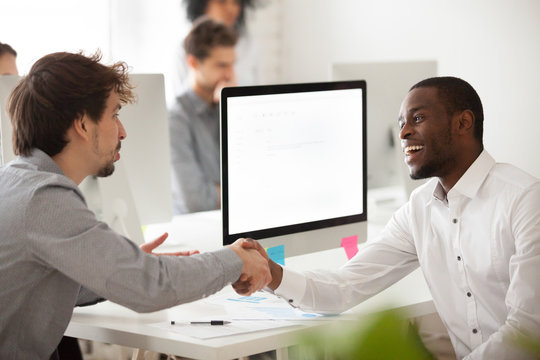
pixel 233 14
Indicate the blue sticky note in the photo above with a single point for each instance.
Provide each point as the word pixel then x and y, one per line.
pixel 277 253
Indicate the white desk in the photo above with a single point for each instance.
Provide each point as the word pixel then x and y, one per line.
pixel 111 323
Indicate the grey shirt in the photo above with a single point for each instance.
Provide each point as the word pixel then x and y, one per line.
pixel 194 136
pixel 51 244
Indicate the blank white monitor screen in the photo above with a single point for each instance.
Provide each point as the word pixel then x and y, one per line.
pixel 293 158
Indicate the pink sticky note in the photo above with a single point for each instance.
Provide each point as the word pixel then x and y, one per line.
pixel 350 244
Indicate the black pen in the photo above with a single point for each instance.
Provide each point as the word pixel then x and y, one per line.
pixel 211 322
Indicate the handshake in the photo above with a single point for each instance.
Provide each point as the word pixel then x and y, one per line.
pixel 258 269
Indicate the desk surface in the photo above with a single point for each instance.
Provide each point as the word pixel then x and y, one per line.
pixel 111 323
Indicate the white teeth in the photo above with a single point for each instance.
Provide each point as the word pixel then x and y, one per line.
pixel 408 149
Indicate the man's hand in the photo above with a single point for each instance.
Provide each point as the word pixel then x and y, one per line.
pixel 275 269
pixel 255 272
pixel 149 247
pixel 220 85
pixel 253 244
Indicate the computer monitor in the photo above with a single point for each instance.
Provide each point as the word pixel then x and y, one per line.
pixel 112 200
pixel 139 192
pixel 146 150
pixel 294 164
pixel 388 83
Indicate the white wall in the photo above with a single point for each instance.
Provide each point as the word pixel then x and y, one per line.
pixel 144 33
pixel 493 44
pixel 265 26
pixel 35 28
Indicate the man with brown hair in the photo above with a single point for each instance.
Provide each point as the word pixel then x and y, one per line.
pixel 8 57
pixel 54 253
pixel 194 120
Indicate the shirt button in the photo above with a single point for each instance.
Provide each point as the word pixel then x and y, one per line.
pixel 459 258
pixel 474 331
pixel 469 294
pixel 291 301
pixel 454 221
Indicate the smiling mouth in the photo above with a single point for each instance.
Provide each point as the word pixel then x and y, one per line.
pixel 408 150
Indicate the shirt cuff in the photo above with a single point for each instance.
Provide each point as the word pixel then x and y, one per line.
pixel 231 263
pixel 292 287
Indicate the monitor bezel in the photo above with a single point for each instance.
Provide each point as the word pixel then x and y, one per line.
pixel 243 91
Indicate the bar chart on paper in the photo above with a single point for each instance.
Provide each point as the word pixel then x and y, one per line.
pixel 263 306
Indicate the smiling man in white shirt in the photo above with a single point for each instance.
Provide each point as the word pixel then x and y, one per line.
pixel 474 229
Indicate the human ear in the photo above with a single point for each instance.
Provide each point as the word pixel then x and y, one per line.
pixel 81 127
pixel 192 62
pixel 466 121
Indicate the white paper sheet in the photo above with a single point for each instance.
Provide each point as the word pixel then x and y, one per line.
pixel 261 306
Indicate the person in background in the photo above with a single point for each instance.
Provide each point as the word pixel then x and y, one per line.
pixel 8 66
pixel 233 14
pixel 230 12
pixel 54 253
pixel 194 120
pixel 8 60
pixel 474 229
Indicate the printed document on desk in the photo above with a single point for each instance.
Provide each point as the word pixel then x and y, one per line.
pixel 261 311
pixel 261 306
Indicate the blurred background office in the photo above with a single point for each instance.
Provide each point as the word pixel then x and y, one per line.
pixel 493 44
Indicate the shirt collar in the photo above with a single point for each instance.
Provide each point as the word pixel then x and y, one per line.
pixel 471 180
pixel 440 194
pixel 199 105
pixel 475 175
pixel 42 161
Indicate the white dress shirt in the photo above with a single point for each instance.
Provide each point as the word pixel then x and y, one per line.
pixel 479 250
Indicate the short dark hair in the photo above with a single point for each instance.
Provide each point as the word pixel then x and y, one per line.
pixel 458 95
pixel 207 34
pixel 6 49
pixel 60 88
pixel 197 8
